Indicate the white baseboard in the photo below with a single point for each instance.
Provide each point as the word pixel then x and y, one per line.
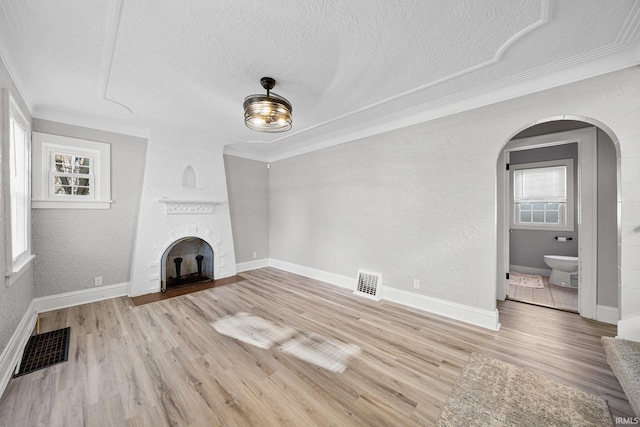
pixel 607 314
pixel 475 316
pixel 629 329
pixel 12 353
pixel 324 276
pixel 83 296
pixel 465 313
pixel 252 265
pixel 530 270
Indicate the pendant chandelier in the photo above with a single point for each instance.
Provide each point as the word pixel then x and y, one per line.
pixel 267 113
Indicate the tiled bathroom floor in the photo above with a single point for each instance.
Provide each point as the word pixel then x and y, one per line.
pixel 549 296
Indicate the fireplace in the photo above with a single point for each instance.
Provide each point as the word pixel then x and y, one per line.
pixel 184 196
pixel 185 262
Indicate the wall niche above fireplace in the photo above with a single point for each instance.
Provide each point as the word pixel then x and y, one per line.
pixel 185 262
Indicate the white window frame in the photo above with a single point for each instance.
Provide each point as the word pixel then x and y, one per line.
pixel 17 265
pixel 45 146
pixel 569 209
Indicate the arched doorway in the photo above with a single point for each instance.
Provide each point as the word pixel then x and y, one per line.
pixel 596 210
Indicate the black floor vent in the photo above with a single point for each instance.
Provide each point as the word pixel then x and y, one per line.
pixel 44 350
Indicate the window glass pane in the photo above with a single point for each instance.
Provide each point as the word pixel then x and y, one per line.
pixel 552 206
pixel 538 216
pixel 84 182
pixel 538 206
pixel 525 206
pixel 83 161
pixel 61 180
pixel 61 189
pixel 61 158
pixel 81 170
pixel 552 217
pixel 525 216
pixel 63 163
pixel 81 165
pixel 18 184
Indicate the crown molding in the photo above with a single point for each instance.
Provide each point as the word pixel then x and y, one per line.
pixel 623 53
pixel 580 67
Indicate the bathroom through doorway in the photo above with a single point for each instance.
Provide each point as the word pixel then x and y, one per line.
pixel 543 225
pixel 548 218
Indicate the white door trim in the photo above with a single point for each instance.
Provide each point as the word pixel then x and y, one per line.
pixel 587 199
pixel 588 223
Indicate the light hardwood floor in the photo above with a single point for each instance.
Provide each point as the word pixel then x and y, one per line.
pixel 163 363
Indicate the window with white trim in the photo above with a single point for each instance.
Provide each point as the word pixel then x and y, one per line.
pixel 17 152
pixel 70 173
pixel 542 195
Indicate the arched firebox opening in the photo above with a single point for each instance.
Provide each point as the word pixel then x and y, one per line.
pixel 185 262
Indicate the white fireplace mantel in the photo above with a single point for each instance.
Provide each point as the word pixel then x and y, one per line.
pixel 192 206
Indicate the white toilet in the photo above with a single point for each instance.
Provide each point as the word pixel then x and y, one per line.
pixel 564 270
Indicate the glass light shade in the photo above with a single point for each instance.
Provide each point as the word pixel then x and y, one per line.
pixel 267 113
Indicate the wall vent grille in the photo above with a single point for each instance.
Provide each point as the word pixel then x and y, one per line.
pixel 369 285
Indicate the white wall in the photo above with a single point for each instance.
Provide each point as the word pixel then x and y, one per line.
pixel 607 223
pixel 73 246
pixel 410 204
pixel 248 188
pixel 420 202
pixel 169 153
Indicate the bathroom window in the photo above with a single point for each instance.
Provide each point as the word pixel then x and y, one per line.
pixel 70 173
pixel 542 195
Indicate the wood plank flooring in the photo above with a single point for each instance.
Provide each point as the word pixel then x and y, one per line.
pixel 163 364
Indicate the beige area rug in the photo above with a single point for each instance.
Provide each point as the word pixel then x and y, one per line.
pixel 490 392
pixel 528 280
pixel 549 296
pixel 624 358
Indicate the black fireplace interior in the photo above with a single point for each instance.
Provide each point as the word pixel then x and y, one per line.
pixel 187 261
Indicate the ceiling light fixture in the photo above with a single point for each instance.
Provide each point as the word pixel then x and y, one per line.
pixel 270 113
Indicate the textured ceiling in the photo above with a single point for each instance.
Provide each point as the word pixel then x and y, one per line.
pixel 348 67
